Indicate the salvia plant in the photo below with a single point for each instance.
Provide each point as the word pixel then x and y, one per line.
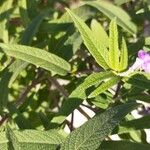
pixel 58 57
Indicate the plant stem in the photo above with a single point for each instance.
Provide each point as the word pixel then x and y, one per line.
pixel 117 90
pixel 83 113
pixel 71 123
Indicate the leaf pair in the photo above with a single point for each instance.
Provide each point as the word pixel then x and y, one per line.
pixel 97 51
pixel 114 58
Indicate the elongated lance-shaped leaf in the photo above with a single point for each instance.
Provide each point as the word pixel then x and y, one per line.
pixel 4 90
pixel 90 81
pixel 133 125
pixel 123 56
pixel 31 30
pixel 123 145
pixel 90 41
pixel 139 79
pixel 100 33
pixel 90 135
pixel 5 11
pixel 79 94
pixel 111 11
pixel 113 46
pixel 37 57
pixel 15 68
pixel 24 13
pixel 104 86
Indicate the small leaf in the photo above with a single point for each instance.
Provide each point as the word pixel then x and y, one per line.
pixel 90 135
pixel 89 40
pixel 123 56
pixel 37 57
pixel 104 86
pixel 113 46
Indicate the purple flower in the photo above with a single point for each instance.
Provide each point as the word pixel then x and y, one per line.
pixel 145 60
pixel 142 63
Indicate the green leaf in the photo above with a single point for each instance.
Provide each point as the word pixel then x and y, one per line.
pixel 78 95
pixel 104 86
pixel 141 97
pixel 65 21
pixel 123 145
pixel 123 56
pixel 4 90
pixel 5 11
pixel 91 134
pixel 113 46
pixel 3 141
pixel 99 33
pixel 35 140
pixel 111 11
pixel 102 101
pixel 23 12
pixel 143 10
pixel 15 68
pixel 140 80
pixel 120 2
pixel 32 28
pixel 29 33
pixel 133 125
pixel 37 57
pixel 91 80
pixel 85 12
pixel 147 41
pixel 90 41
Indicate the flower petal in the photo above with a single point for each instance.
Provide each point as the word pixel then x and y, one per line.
pixel 146 66
pixel 141 54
